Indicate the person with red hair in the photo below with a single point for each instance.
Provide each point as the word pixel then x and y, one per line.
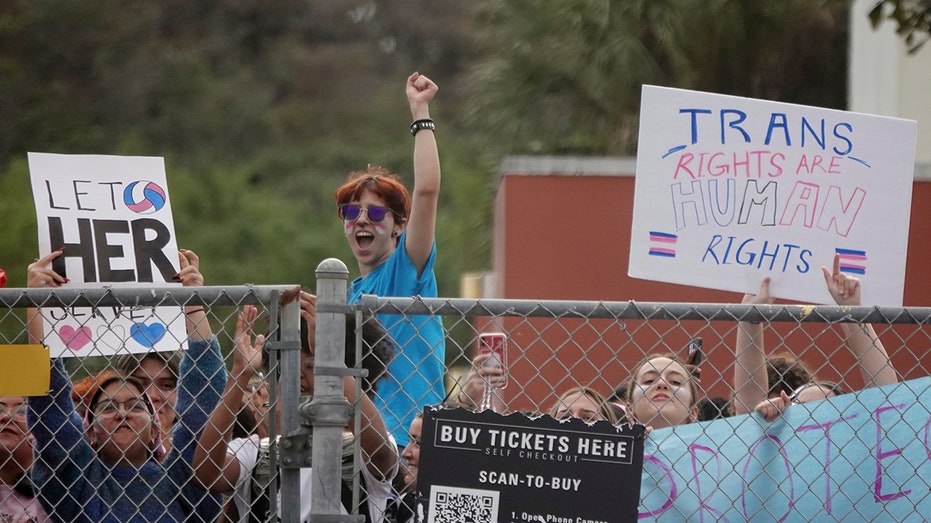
pixel 391 234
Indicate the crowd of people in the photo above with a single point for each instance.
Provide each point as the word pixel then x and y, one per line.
pixel 175 437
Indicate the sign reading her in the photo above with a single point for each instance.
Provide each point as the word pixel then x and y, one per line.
pixel 112 217
pixel 729 190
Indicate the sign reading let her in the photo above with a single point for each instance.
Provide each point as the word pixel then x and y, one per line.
pixel 112 216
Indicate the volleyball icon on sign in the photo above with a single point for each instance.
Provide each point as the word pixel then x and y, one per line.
pixel 144 197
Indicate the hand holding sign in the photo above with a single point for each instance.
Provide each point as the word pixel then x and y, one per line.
pixel 189 275
pixel 844 288
pixel 761 298
pixel 40 274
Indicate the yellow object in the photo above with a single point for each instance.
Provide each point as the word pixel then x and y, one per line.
pixel 24 370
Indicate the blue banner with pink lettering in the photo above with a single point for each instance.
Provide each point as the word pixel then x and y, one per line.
pixel 730 190
pixel 856 457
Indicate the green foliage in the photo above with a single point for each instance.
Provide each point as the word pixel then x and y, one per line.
pixel 912 19
pixel 260 108
pixel 18 234
pixel 536 59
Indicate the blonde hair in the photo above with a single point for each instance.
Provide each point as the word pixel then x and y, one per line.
pixel 606 411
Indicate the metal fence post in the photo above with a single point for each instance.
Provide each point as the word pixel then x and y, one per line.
pixel 329 408
pixel 290 365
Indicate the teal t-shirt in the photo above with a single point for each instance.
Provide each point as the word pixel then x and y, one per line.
pixel 415 374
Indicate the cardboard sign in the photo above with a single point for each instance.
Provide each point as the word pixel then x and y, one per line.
pixel 862 456
pixel 113 217
pixel 730 190
pixel 485 467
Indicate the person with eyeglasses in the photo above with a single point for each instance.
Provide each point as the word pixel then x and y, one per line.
pixel 391 235
pixel 402 506
pixel 106 467
pixel 158 372
pixel 18 503
pixel 860 339
pixel 772 408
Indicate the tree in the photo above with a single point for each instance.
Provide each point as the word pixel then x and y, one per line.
pixel 260 108
pixel 565 77
pixel 912 19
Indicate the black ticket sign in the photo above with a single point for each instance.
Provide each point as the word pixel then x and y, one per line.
pixel 486 467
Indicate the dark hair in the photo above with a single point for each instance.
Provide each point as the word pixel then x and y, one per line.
pixel 785 373
pixel 127 364
pixel 715 407
pixel 245 424
pixel 377 349
pixel 83 389
pixel 95 398
pixel 620 393
pixel 380 181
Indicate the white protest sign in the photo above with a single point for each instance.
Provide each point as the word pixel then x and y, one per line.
pixel 112 216
pixel 730 190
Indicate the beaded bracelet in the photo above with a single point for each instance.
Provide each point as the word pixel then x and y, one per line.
pixel 420 125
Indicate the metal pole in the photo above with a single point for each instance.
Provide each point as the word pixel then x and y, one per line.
pixel 290 361
pixel 329 408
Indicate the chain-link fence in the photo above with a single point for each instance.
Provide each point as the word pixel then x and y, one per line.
pixel 879 468
pixel 859 465
pixel 116 438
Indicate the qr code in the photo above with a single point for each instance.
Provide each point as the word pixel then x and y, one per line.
pixel 462 505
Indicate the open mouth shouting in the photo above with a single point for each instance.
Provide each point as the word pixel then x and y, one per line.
pixel 364 239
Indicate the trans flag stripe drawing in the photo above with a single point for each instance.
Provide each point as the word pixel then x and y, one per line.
pixel 663 244
pixel 851 261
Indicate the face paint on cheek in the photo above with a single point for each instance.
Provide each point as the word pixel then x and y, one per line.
pixel 681 394
pixel 347 226
pixel 381 228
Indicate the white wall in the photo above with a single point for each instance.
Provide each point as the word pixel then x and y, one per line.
pixel 885 80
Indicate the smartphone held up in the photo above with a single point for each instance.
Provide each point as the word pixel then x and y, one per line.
pixel 495 344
